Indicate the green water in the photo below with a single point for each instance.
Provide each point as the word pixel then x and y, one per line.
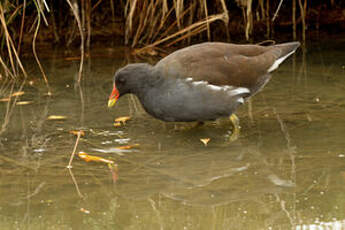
pixel 286 171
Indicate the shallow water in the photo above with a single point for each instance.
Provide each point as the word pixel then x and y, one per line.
pixel 286 171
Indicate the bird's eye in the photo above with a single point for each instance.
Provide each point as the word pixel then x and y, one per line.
pixel 121 80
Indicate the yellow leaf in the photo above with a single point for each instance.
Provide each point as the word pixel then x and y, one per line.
pixel 56 117
pixel 84 210
pixel 117 124
pixel 205 141
pixel 72 58
pixel 19 93
pixel 128 146
pixel 24 102
pixel 5 99
pixel 75 132
pixel 89 158
pixel 122 119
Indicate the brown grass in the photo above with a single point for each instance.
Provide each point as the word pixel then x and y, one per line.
pixel 147 24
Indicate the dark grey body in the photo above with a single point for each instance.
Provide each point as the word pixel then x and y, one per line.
pixel 202 82
pixel 178 100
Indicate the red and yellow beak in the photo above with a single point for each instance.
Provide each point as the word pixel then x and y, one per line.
pixel 113 97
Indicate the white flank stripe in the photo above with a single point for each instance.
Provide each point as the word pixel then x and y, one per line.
pixel 240 100
pixel 279 61
pixel 231 90
pixel 189 79
pixel 239 90
pixel 214 87
pixel 227 87
pixel 199 83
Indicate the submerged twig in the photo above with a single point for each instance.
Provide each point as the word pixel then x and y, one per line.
pixel 36 191
pixel 74 149
pixel 75 183
pixel 82 103
pixel 290 147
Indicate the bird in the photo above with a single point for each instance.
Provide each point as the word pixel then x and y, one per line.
pixel 201 82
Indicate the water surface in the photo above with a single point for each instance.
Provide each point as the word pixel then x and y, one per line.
pixel 286 171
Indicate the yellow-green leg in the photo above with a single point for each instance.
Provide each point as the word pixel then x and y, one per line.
pixel 235 122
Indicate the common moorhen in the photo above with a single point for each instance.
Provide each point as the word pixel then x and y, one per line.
pixel 201 82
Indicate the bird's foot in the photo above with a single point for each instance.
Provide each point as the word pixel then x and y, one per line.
pixel 235 122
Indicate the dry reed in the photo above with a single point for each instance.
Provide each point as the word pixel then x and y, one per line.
pixel 75 10
pixel 146 23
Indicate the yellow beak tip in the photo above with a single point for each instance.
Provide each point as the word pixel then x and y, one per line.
pixel 111 103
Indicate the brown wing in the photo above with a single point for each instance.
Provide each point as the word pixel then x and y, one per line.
pixel 221 63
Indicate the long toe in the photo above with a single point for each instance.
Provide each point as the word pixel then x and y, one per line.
pixel 235 123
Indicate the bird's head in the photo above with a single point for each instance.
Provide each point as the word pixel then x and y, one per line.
pixel 129 79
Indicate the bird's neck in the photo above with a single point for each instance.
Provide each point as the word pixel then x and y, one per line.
pixel 145 81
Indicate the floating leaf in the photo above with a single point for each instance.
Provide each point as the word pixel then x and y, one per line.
pixel 5 99
pixel 117 124
pixel 46 201
pixel 56 117
pixel 128 146
pixel 84 210
pixel 309 118
pixel 24 102
pixel 76 132
pixel 72 58
pixel 122 119
pixel 89 158
pixel 205 141
pixel 19 93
